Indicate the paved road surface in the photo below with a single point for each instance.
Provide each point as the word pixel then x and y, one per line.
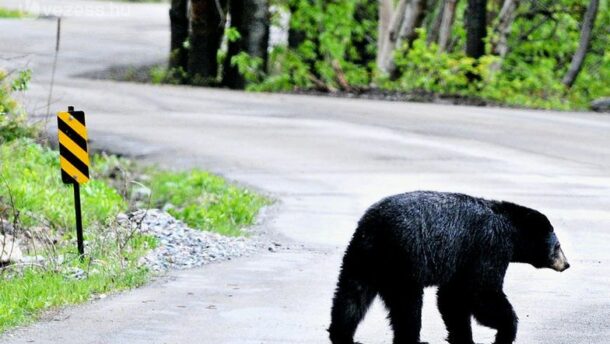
pixel 325 160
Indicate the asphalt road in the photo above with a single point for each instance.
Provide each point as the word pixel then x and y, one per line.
pixel 325 160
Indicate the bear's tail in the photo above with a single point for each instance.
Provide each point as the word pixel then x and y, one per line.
pixel 353 297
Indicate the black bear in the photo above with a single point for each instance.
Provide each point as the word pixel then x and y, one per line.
pixel 459 243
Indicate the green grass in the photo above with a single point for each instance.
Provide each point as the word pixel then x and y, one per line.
pixel 31 174
pixel 22 298
pixel 206 201
pixel 11 14
pixel 200 199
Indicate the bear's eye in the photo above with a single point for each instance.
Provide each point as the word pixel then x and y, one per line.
pixel 557 246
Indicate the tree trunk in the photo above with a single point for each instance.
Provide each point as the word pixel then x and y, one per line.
pixel 414 16
pixel 178 57
pixel 476 28
pixel 448 16
pixel 585 41
pixel 390 39
pixel 251 18
pixel 408 17
pixel 207 28
pixel 436 24
pixel 506 17
pixel 385 18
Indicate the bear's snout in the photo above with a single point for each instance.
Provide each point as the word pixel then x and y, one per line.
pixel 560 262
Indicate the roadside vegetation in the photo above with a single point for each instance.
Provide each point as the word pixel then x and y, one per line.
pixel 205 201
pixel 40 266
pixel 549 54
pixel 6 13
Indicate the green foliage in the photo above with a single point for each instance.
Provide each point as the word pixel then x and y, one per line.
pixel 339 42
pixel 6 13
pixel 12 118
pixel 205 201
pixel 425 68
pixel 161 74
pixel 287 72
pixel 545 35
pixel 232 34
pixel 334 43
pixel 532 81
pixel 20 83
pixel 251 67
pixel 158 75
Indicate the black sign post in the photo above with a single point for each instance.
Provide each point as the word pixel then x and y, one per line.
pixel 79 220
pixel 74 160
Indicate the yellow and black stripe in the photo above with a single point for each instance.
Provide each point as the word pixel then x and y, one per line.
pixel 73 153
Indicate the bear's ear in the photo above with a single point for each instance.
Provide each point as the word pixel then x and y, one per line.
pixel 522 217
pixel 540 221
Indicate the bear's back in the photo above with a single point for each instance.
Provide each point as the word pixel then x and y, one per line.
pixel 435 234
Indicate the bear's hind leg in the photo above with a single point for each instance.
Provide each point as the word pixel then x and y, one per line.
pixel 352 299
pixel 454 306
pixel 492 309
pixel 404 303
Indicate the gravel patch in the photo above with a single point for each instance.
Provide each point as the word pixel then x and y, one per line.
pixel 181 247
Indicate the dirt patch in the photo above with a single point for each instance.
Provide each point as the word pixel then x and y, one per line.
pixel 127 73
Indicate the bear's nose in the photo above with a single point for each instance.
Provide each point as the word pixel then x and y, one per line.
pixel 567 266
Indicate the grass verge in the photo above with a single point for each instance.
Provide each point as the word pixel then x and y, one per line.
pixel 206 201
pixel 37 205
pixel 22 298
pixel 32 197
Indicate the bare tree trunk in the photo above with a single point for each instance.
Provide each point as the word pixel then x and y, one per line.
pixel 251 19
pixel 446 24
pixel 436 24
pixel 389 40
pixel 585 41
pixel 207 28
pixel 408 16
pixel 476 27
pixel 385 18
pixel 414 16
pixel 506 17
pixel 178 56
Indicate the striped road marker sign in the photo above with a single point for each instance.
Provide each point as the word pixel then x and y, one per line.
pixel 74 160
pixel 74 156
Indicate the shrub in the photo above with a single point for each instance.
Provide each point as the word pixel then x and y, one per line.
pixel 13 121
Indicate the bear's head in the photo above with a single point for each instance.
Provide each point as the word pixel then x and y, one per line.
pixel 535 239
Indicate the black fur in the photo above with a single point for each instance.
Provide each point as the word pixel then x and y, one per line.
pixel 457 242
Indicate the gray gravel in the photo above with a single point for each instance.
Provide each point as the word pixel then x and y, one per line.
pixel 181 247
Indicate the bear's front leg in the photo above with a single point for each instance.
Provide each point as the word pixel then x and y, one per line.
pixel 492 309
